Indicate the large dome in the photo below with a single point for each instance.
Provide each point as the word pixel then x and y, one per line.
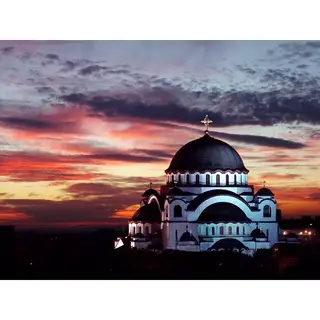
pixel 206 153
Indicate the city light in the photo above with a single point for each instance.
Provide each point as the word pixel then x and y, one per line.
pixel 284 233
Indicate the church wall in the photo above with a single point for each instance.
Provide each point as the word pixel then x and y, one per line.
pixel 272 230
pixel 198 190
pixel 171 210
pixel 206 229
pixel 234 178
pixel 188 247
pixel 193 216
pixel 140 244
pixel 174 231
pixel 145 228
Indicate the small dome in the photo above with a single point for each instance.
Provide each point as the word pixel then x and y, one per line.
pixel 206 153
pixel 147 213
pixel 228 244
pixel 187 236
pixel 174 191
pixel 257 234
pixel 150 192
pixel 264 192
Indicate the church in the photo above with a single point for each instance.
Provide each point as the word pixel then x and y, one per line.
pixel 205 204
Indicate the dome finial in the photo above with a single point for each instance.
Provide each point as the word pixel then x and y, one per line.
pixel 150 185
pixel 264 183
pixel 206 121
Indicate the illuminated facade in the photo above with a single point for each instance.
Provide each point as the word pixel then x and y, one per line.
pixel 206 204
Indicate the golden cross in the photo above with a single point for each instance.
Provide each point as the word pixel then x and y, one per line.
pixel 206 121
pixel 150 185
pixel 264 183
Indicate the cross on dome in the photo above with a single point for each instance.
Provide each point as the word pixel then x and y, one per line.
pixel 264 183
pixel 150 185
pixel 206 121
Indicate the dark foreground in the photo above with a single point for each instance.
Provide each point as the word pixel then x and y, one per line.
pixel 91 256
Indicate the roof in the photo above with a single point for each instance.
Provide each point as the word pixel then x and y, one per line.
pixel 209 194
pixel 148 213
pixel 223 212
pixel 206 153
pixel 258 234
pixel 150 192
pixel 264 192
pixel 175 191
pixel 187 236
pixel 228 244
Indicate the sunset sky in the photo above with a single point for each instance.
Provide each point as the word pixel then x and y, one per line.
pixel 87 125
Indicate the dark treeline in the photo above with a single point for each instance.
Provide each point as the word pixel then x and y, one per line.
pixel 90 255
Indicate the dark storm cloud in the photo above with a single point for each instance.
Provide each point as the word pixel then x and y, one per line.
pixel 84 190
pixel 126 156
pixel 45 90
pixel 7 50
pixel 260 140
pixel 99 209
pixel 247 70
pixel 91 69
pixel 52 56
pixel 300 49
pixel 25 124
pixel 231 108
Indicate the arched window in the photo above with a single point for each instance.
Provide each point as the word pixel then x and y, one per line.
pixel 208 179
pixel 218 179
pixel 172 178
pixel 213 231
pixel 221 230
pixel 266 211
pixel 229 230
pixel 244 230
pixel 177 212
pixel 138 229
pixel 147 230
pixel 237 230
pixel 227 179
pixel 188 178
pixel 133 230
pixel 207 231
pixel 179 178
pixel 197 179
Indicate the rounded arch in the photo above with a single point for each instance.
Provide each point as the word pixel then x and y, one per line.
pixel 194 215
pixel 177 211
pixel 227 179
pixel 197 178
pixel 218 182
pixel 154 199
pixel 267 211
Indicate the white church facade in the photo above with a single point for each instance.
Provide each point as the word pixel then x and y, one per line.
pixel 205 204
